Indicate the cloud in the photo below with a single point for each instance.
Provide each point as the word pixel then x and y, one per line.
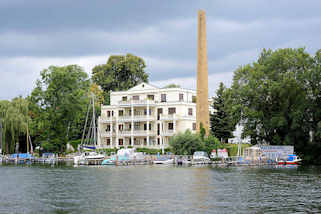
pixel 214 81
pixel 42 33
pixel 18 75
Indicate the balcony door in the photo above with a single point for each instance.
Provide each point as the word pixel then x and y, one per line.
pixel 159 112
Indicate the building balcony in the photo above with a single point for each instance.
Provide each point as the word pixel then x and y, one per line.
pixel 128 133
pixel 107 134
pixel 136 102
pixel 171 117
pixel 168 133
pixel 136 118
pixel 106 119
pixel 168 117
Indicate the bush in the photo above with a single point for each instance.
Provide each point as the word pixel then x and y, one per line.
pixel 186 143
pixel 211 143
pixel 232 148
pixel 149 151
pixel 108 151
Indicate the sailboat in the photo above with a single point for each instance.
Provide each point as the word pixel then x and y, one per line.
pixel 89 144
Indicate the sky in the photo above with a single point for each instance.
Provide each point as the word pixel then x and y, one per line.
pixel 35 34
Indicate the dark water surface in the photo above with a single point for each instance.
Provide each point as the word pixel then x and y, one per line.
pixel 159 189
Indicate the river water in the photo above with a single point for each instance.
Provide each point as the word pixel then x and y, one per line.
pixel 159 189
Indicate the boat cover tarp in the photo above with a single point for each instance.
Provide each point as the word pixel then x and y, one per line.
pixel 21 155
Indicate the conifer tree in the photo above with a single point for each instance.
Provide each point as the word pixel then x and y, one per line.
pixel 221 125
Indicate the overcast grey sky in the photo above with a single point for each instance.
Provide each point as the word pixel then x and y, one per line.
pixel 35 34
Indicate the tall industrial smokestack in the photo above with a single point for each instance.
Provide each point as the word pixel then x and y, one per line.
pixel 202 112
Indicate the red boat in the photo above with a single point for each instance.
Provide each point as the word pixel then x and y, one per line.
pixel 292 159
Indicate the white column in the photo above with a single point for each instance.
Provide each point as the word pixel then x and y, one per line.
pixel 162 144
pixel 117 143
pixel 111 134
pixel 132 126
pixel 148 122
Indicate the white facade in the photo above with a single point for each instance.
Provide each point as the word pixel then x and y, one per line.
pixel 146 116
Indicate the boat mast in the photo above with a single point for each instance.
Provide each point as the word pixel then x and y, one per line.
pixel 27 138
pixel 94 121
pixel 84 130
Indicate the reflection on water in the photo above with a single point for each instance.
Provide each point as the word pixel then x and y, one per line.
pixel 159 189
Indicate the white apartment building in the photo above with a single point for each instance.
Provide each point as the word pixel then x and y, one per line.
pixel 146 116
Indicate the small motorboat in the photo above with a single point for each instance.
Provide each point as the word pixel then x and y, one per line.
pixel 84 157
pixel 292 159
pixel 163 160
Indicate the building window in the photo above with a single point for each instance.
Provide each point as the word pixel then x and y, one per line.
pixel 121 142
pixel 124 98
pixel 136 97
pixel 108 141
pixel 171 110
pixel 120 127
pixel 108 128
pixel 136 125
pixel 163 97
pixel 170 126
pixel 158 141
pixel 120 113
pixel 130 141
pixel 145 111
pixel 190 112
pixel 136 142
pixel 145 126
pixel 150 97
pixel 150 126
pixel 194 99
pixel 108 113
pixel 181 97
pixel 112 113
pixel 145 141
pixel 194 126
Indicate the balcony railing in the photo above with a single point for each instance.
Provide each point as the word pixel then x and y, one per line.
pixel 136 118
pixel 136 102
pixel 168 116
pixel 168 132
pixel 137 132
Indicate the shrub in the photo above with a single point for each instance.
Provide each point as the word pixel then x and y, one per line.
pixel 186 143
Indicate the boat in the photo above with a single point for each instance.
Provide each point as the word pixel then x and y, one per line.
pixel 290 160
pixel 84 157
pixel 163 160
pixel 200 157
pixel 89 143
pixel 125 155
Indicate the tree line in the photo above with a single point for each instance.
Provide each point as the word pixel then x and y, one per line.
pixel 276 99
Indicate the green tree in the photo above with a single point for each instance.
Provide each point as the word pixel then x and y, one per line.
pixel 172 85
pixel 119 73
pixel 186 143
pixel 58 104
pixel 222 125
pixel 211 143
pixel 276 99
pixel 14 118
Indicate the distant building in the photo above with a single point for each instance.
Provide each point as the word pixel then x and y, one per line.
pixel 146 116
